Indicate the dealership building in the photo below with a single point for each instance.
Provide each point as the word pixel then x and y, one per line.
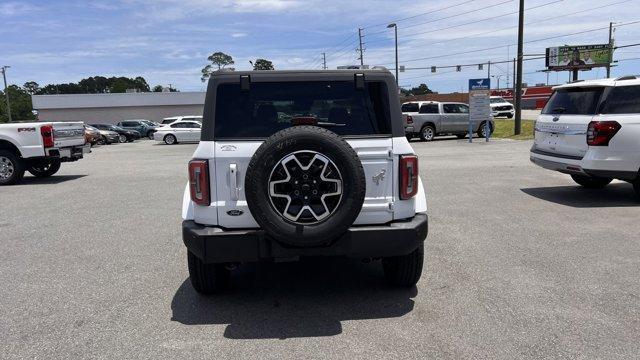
pixel 112 108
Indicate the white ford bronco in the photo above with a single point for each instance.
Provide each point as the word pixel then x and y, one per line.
pixel 303 163
pixel 39 148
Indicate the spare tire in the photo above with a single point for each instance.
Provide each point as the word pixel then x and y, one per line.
pixel 305 186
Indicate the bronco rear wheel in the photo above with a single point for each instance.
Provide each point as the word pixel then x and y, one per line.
pixel 305 186
pixel 207 278
pixel 404 270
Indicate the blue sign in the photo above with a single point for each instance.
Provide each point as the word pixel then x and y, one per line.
pixel 479 84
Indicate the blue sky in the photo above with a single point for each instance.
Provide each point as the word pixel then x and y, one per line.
pixel 167 41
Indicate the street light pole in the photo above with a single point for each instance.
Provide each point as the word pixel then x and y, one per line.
pixel 6 92
pixel 395 28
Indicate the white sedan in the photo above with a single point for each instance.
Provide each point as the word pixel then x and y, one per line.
pixel 180 131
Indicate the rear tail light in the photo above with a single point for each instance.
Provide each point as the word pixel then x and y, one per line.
pixel 47 135
pixel 199 182
pixel 600 133
pixel 408 176
pixel 409 119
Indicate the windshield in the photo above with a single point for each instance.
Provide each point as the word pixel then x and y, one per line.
pixel 115 128
pixel 269 107
pixel 575 101
pixel 497 100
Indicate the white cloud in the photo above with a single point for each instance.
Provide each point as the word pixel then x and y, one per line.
pixel 14 8
pixel 239 35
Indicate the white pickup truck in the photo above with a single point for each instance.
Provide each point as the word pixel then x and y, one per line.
pixel 39 148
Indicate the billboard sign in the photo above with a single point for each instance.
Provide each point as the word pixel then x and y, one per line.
pixel 578 57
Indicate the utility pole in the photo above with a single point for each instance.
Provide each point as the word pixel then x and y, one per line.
pixel 324 61
pixel 518 94
pixel 360 46
pixel 610 49
pixel 6 92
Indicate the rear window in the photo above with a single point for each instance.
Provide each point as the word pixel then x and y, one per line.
pixel 622 100
pixel 269 107
pixel 410 107
pixel 575 101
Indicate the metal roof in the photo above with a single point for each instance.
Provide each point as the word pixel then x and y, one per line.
pixel 68 101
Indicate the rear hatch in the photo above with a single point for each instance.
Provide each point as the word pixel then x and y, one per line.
pixel 561 129
pixel 269 107
pixel 68 134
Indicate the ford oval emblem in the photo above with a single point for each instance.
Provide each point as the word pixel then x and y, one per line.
pixel 235 212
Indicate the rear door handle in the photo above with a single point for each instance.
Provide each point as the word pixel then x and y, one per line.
pixel 233 177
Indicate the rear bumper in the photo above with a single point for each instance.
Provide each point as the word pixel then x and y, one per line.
pixel 589 165
pixel 67 154
pixel 217 245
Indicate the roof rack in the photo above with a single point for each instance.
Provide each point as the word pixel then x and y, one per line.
pixel 627 77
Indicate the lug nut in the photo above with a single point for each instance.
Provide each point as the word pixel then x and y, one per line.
pixel 297 192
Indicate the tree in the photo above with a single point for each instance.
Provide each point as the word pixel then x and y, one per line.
pixel 31 87
pixel 422 89
pixel 219 60
pixel 120 85
pixel 20 105
pixel 157 88
pixel 263 64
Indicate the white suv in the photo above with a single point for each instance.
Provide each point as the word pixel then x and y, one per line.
pixel 591 130
pixel 303 163
pixel 501 107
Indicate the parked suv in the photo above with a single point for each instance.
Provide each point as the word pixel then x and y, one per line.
pixel 501 107
pixel 303 163
pixel 144 127
pixel 426 119
pixel 590 130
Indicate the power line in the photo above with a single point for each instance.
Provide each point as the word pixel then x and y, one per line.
pixel 526 42
pixel 421 14
pixel 452 16
pixel 481 20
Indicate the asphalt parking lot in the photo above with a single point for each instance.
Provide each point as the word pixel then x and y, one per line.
pixel 519 263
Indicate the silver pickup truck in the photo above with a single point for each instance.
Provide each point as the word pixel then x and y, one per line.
pixel 427 119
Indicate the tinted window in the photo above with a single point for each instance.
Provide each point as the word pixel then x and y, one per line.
pixel 576 101
pixel 269 107
pixel 463 109
pixel 179 125
pixel 410 107
pixel 429 109
pixel 451 108
pixel 622 100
